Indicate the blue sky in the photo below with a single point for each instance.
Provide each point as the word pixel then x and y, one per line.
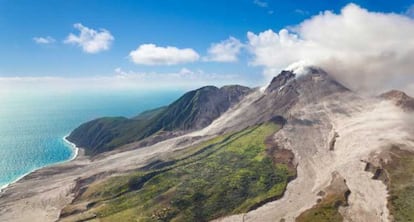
pixel 182 24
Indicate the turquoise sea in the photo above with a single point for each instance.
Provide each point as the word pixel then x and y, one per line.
pixel 33 125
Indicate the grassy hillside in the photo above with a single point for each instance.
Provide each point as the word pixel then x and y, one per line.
pixel 194 110
pixel 400 173
pixel 227 175
pixel 327 210
pixel 330 200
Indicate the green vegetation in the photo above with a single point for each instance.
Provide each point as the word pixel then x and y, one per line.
pixel 226 175
pixel 325 211
pixel 400 172
pixel 331 199
pixel 195 109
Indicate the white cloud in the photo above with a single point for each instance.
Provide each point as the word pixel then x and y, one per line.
pixel 364 50
pixel 183 78
pixel 301 12
pixel 225 51
pixel 44 40
pixel 261 3
pixel 150 54
pixel 185 71
pixel 90 40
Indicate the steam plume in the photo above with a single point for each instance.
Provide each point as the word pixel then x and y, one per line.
pixel 366 51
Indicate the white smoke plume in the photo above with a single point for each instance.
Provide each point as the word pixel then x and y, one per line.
pixel 366 51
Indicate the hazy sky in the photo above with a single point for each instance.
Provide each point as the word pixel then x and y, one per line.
pixel 152 41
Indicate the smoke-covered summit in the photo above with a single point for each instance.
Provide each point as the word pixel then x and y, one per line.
pixel 364 50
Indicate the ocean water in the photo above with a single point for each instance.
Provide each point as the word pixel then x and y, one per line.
pixel 33 125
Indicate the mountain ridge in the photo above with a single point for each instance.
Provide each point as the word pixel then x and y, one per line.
pixel 399 98
pixel 194 110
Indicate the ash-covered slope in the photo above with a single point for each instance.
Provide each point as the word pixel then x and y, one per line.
pixel 194 110
pixel 333 133
pixel 287 89
pixel 400 99
pixel 284 92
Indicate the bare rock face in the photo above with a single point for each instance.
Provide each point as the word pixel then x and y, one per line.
pixel 306 89
pixel 283 93
pixel 279 81
pixel 400 99
pixel 315 82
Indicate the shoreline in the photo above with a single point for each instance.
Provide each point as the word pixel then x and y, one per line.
pixel 75 153
pixel 75 149
pixel 14 181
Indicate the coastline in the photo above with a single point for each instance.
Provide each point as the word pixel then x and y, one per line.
pixel 75 153
pixel 75 149
pixel 14 181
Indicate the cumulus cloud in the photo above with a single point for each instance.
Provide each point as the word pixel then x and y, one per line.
pixel 225 51
pixel 90 40
pixel 260 3
pixel 151 54
pixel 44 40
pixel 364 50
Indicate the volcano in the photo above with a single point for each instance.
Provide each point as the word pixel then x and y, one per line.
pixel 303 148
